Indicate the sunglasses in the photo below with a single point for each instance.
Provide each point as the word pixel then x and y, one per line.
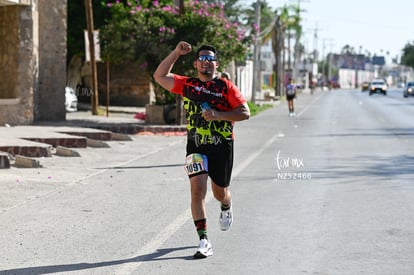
pixel 209 58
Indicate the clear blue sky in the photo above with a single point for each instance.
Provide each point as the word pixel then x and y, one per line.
pixel 375 26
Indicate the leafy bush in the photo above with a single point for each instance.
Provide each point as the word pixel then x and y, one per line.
pixel 146 31
pixel 255 108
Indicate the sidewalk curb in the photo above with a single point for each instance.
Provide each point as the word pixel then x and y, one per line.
pixel 4 160
pixel 25 162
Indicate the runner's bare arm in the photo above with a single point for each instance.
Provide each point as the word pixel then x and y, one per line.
pixel 239 113
pixel 163 74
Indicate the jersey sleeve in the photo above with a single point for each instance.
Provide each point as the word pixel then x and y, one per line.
pixel 235 98
pixel 179 81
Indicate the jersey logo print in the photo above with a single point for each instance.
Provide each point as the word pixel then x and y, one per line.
pixel 204 90
pixel 203 131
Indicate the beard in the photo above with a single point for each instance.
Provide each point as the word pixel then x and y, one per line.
pixel 207 72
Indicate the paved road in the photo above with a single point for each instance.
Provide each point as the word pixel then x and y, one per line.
pixel 327 192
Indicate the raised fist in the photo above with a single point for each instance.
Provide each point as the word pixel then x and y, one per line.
pixel 183 48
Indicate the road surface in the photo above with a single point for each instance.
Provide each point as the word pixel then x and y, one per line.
pixel 327 192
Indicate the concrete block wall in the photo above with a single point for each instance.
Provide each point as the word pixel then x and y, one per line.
pixel 32 62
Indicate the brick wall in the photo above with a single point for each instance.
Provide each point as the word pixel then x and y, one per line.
pixel 129 85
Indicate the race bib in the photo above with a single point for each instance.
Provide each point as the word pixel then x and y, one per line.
pixel 196 164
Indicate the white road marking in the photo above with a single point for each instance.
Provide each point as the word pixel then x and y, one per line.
pixel 180 220
pixel 310 105
pixel 185 216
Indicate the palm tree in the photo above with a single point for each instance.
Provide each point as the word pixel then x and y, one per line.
pixel 299 49
pixel 267 16
pixel 267 21
pixel 348 50
pixel 278 45
pixel 288 25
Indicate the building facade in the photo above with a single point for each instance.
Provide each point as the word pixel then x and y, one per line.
pixel 32 61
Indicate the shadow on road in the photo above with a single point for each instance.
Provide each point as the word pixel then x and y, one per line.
pixel 159 255
pixel 372 132
pixel 386 168
pixel 142 167
pixel 375 164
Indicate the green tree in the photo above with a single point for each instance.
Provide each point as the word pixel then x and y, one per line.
pixel 146 32
pixel 291 23
pixel 232 9
pixel 267 19
pixel 287 25
pixel 407 57
pixel 348 50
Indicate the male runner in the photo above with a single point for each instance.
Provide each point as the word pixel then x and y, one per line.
pixel 211 106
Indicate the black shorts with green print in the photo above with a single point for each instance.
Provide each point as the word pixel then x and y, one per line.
pixel 219 157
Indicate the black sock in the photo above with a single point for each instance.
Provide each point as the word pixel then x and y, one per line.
pixel 225 206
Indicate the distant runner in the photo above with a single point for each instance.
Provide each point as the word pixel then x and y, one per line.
pixel 290 96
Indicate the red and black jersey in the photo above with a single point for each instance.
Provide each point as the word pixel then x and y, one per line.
pixel 220 94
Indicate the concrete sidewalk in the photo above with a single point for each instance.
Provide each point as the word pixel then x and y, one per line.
pixel 80 130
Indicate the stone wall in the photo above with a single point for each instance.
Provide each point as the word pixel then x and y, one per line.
pixel 19 64
pixel 32 61
pixel 50 94
pixel 9 38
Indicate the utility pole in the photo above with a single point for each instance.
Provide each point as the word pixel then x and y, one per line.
pixel 315 55
pixel 256 57
pixel 356 67
pixel 323 60
pixel 277 40
pixel 289 54
pixel 179 114
pixel 90 27
pixel 330 60
pixel 294 71
pixel 326 59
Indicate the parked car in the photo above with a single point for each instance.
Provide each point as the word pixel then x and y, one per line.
pixel 400 85
pixel 364 86
pixel 299 86
pixel 409 89
pixel 335 85
pixel 378 86
pixel 71 100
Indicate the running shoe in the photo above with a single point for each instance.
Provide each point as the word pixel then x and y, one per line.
pixel 204 249
pixel 226 219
